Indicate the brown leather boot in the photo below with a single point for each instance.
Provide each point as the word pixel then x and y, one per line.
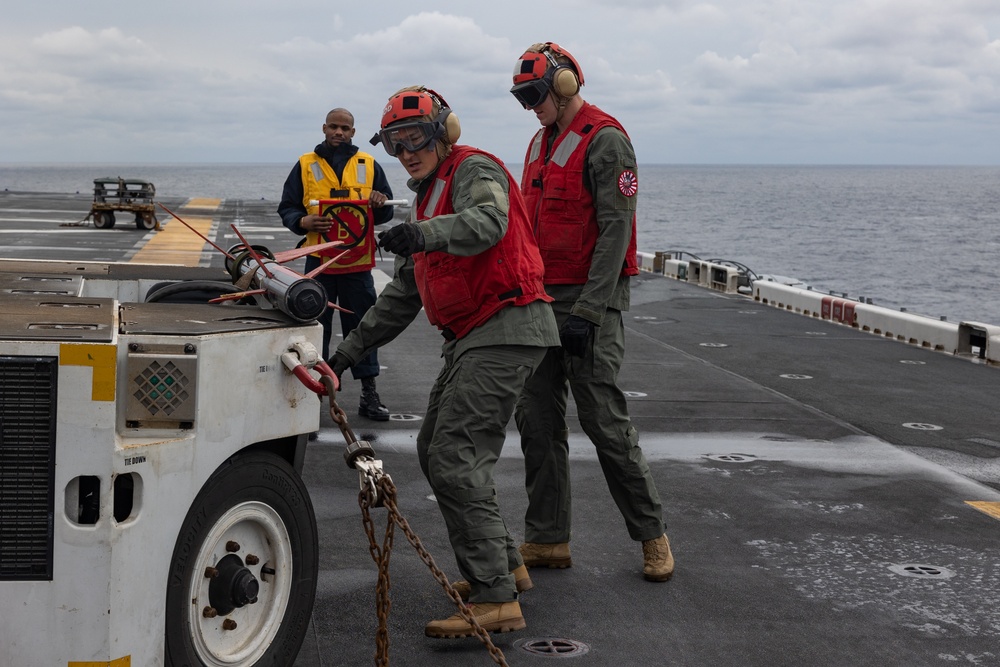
pixel 546 555
pixel 658 562
pixel 492 616
pixel 522 580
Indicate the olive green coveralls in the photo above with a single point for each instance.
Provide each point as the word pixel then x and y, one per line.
pixel 601 405
pixel 474 395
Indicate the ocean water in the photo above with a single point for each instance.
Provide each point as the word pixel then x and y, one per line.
pixel 926 239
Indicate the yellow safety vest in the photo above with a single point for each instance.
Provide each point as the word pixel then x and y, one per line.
pixel 353 225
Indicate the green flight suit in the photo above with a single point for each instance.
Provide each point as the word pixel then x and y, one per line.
pixel 474 395
pixel 601 405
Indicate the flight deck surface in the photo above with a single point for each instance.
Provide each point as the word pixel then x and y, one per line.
pixel 832 497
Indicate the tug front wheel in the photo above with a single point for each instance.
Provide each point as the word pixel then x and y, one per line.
pixel 104 219
pixel 243 575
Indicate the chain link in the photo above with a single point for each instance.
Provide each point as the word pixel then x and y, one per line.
pixel 379 491
pixel 381 557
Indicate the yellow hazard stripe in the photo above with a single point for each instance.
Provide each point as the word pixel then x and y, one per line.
pixel 988 508
pixel 175 243
pixel 203 202
pixel 120 662
pixel 101 358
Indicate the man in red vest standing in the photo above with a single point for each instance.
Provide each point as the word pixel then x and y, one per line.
pixel 468 259
pixel 580 184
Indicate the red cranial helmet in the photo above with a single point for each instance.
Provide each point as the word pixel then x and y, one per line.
pixel 544 68
pixel 416 117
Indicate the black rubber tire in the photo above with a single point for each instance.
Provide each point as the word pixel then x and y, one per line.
pixel 145 221
pixel 104 219
pixel 263 479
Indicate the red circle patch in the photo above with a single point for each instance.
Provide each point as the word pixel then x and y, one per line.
pixel 628 184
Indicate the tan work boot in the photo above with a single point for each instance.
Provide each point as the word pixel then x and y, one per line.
pixel 546 555
pixel 522 581
pixel 492 616
pixel 658 562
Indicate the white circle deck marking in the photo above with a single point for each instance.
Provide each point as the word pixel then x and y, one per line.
pixel 730 458
pixel 917 426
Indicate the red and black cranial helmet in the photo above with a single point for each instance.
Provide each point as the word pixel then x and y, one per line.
pixel 544 68
pixel 414 118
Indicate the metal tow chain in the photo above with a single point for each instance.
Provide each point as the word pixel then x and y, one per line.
pixel 378 490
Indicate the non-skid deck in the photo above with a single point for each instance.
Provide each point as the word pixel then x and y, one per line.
pixel 832 497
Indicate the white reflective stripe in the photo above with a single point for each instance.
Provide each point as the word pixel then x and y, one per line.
pixel 362 173
pixel 435 195
pixel 536 148
pixel 566 148
pixel 317 171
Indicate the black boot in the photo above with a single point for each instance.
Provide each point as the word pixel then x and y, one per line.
pixel 371 405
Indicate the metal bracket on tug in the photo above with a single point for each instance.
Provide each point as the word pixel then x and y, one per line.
pixel 376 490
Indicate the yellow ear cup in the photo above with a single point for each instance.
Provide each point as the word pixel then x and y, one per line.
pixel 565 82
pixel 452 128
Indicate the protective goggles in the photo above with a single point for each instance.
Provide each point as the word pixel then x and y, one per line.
pixel 532 93
pixel 414 136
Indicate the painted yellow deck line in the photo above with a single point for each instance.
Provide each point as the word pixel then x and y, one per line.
pixel 989 508
pixel 175 243
pixel 202 202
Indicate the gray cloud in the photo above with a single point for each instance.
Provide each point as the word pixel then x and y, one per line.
pixel 757 81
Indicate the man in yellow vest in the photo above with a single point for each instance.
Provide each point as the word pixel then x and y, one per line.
pixel 337 170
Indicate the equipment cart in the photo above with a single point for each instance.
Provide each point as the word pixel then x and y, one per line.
pixel 123 194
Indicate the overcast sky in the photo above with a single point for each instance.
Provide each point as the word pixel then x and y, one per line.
pixel 730 81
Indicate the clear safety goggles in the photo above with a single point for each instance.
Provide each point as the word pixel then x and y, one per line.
pixel 531 93
pixel 413 136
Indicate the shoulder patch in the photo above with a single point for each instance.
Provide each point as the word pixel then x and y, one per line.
pixel 628 183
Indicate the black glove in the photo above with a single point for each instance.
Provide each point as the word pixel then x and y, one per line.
pixel 575 335
pixel 403 239
pixel 339 363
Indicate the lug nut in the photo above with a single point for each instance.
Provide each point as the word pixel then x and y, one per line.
pixel 209 612
pixel 211 573
pixel 232 546
pixel 229 624
pixel 252 560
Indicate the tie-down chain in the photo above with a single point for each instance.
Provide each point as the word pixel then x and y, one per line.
pixel 377 490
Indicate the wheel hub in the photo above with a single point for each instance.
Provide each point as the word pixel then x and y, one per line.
pixel 235 586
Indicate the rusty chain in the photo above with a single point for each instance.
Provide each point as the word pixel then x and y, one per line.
pixel 379 491
pixel 388 499
pixel 381 557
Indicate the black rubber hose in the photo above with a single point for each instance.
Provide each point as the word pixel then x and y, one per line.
pixel 187 291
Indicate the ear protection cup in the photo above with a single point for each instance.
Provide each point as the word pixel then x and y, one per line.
pixel 564 82
pixel 452 128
